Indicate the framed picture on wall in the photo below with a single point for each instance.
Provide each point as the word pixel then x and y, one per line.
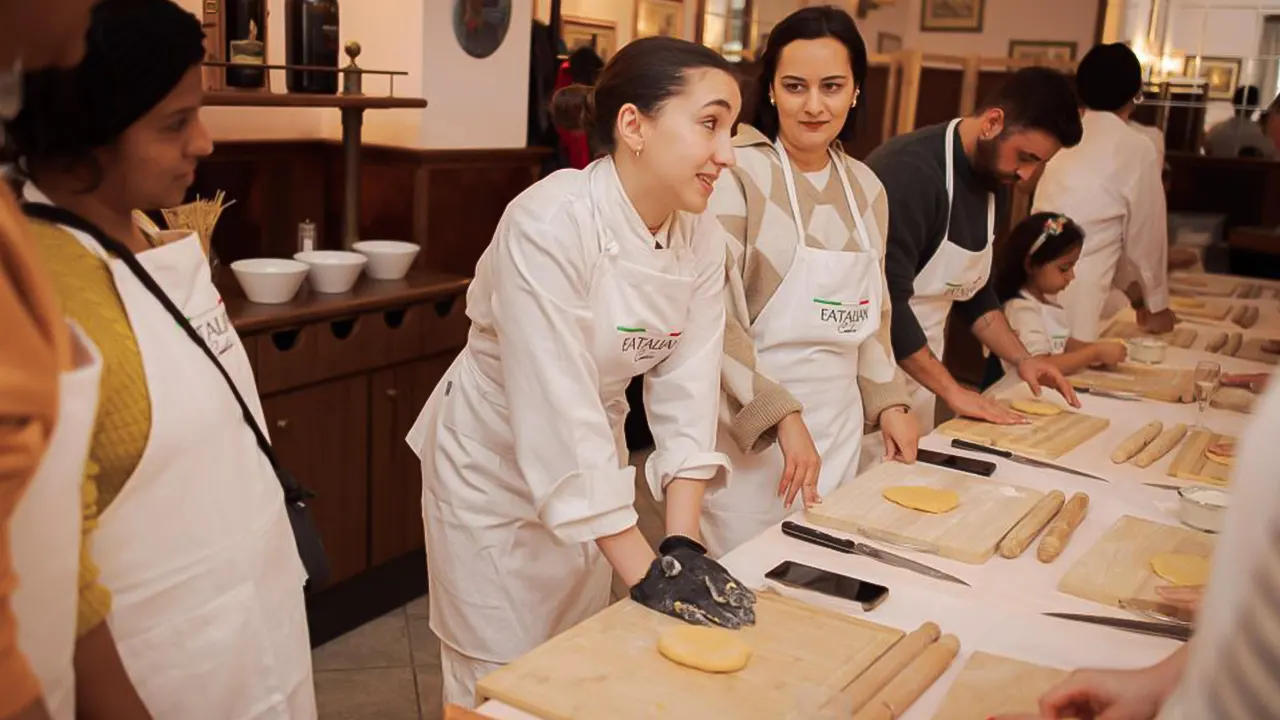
pixel 952 15
pixel 599 35
pixel 888 43
pixel 1222 74
pixel 659 17
pixel 1056 50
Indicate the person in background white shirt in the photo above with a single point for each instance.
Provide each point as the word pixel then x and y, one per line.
pixel 594 276
pixel 1239 135
pixel 1110 185
pixel 1036 263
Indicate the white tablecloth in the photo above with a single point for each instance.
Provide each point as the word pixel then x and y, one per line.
pixel 1000 613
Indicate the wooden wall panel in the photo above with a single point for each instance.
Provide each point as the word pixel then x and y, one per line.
pixel 939 95
pixel 876 93
pixel 446 201
pixel 1243 189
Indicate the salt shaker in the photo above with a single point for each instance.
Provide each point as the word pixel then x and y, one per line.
pixel 306 236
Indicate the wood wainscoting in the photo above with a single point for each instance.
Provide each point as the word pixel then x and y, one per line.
pixel 447 201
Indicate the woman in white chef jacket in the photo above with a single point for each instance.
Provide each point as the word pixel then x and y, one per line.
pixel 193 541
pixel 594 276
pixel 807 351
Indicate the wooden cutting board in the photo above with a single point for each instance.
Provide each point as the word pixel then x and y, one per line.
pixel 1044 437
pixel 1212 310
pixel 1182 337
pixel 1251 349
pixel 1203 285
pixel 1191 464
pixel 608 668
pixel 969 533
pixel 1118 566
pixel 992 686
pixel 1157 383
pixel 1234 399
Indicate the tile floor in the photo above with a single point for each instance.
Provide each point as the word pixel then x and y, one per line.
pixel 388 669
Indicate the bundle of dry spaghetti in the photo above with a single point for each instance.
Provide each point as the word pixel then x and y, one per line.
pixel 199 217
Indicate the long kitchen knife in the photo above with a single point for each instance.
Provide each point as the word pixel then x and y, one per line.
pixel 1023 460
pixel 1144 627
pixel 850 547
pixel 1113 394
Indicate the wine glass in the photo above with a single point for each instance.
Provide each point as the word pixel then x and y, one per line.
pixel 1207 377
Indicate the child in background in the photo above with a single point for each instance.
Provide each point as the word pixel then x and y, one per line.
pixel 1036 263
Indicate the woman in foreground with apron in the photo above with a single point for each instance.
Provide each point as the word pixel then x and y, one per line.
pixel 593 277
pixel 193 541
pixel 807 352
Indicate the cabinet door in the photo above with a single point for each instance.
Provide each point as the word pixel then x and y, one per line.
pixel 321 434
pixel 396 478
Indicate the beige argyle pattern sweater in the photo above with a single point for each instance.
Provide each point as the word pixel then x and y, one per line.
pixel 751 204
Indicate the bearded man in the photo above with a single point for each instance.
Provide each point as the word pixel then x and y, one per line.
pixel 946 186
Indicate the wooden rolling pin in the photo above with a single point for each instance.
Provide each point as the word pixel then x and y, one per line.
pixel 1135 443
pixel 1215 341
pixel 1232 345
pixel 888 666
pixel 1059 532
pixel 1022 534
pixel 891 702
pixel 1160 446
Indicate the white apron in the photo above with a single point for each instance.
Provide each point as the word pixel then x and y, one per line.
pixel 1056 327
pixel 952 275
pixel 197 550
pixel 46 533
pixel 1087 299
pixel 807 339
pixel 501 582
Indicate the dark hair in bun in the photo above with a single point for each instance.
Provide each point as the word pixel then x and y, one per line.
pixel 645 73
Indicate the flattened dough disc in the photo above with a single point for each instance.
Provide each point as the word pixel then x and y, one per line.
pixel 1181 568
pixel 703 648
pixel 924 499
pixel 1035 407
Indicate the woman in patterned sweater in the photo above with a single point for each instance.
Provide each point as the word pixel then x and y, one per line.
pixel 807 353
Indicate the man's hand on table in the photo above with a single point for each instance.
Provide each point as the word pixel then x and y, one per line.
pixel 968 403
pixel 1156 323
pixel 1253 382
pixel 1036 371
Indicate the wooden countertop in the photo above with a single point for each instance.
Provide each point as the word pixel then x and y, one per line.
pixel 307 306
pixel 240 98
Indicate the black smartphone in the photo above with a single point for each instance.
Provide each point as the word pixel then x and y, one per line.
pixel 867 594
pixel 985 468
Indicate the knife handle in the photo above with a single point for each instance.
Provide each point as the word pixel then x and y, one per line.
pixel 817 537
pixel 975 447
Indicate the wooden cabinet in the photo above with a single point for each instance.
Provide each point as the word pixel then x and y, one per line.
pixel 395 473
pixel 320 435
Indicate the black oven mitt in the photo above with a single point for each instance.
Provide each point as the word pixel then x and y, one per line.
pixel 683 582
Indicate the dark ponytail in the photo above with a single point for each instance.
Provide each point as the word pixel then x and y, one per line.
pixel 645 73
pixel 1011 265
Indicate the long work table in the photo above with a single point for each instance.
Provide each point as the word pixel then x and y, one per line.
pixel 1001 612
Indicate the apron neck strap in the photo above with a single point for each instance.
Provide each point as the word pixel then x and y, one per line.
pixel 789 179
pixel 951 186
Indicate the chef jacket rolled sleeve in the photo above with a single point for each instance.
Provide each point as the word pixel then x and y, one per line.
pixel 564 445
pixel 917 220
pixel 682 393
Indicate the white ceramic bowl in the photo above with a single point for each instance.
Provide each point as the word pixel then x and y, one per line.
pixel 270 281
pixel 1203 508
pixel 332 271
pixel 1147 350
pixel 388 259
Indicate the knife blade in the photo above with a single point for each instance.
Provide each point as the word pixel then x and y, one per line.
pixel 851 547
pixel 1021 459
pixel 1142 627
pixel 1163 486
pixel 1159 611
pixel 1113 394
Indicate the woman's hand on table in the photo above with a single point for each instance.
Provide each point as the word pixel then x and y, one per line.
pixel 801 462
pixel 1101 695
pixel 684 583
pixel 1186 598
pixel 1036 371
pixel 901 434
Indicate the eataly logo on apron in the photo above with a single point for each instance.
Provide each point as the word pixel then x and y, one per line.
pixel 846 316
pixel 965 290
pixel 214 327
pixel 643 345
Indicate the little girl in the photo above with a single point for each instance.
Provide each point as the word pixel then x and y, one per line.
pixel 1036 263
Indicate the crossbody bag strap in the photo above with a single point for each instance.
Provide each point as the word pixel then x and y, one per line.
pixel 61 216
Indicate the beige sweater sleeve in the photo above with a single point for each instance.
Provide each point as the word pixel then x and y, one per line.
pixel 756 403
pixel 879 378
